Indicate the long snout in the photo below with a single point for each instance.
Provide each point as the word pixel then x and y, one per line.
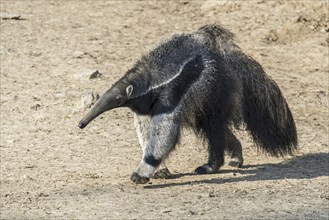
pixel 95 111
pixel 104 103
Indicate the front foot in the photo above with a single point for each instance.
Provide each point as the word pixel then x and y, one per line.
pixel 207 169
pixel 136 178
pixel 162 174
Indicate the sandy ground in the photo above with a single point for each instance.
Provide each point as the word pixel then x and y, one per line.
pixel 50 169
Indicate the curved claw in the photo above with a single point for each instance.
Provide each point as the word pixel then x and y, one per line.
pixel 136 178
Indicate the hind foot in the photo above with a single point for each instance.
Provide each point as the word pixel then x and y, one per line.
pixel 206 169
pixel 162 174
pixel 236 162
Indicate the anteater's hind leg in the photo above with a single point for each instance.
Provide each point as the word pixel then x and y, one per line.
pixel 163 136
pixel 215 134
pixel 234 149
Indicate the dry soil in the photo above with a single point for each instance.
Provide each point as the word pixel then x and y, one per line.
pixel 50 169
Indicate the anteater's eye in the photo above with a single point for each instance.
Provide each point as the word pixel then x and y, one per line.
pixel 118 99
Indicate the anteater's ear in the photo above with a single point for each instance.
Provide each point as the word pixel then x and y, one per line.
pixel 129 90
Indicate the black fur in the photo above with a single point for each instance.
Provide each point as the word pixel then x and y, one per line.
pixel 152 161
pixel 238 91
pixel 205 82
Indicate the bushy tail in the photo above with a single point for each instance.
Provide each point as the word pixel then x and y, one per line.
pixel 266 113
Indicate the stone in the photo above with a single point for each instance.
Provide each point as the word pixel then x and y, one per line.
pixel 88 99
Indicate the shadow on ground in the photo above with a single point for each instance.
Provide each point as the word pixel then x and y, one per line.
pixel 308 166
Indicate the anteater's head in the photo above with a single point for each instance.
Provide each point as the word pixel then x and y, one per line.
pixel 116 96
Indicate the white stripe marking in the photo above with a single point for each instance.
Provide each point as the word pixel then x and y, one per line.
pixel 167 81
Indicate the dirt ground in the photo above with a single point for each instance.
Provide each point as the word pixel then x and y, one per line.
pixel 50 169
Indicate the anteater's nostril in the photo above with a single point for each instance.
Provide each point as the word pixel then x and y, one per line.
pixel 82 125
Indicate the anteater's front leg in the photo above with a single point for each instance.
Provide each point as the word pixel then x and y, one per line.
pixel 164 134
pixel 142 125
